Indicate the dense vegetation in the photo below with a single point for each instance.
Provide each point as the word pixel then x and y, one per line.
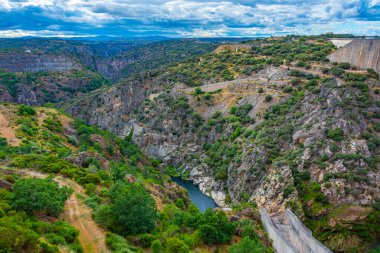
pixel 228 65
pixel 118 182
pixel 49 87
pixel 231 140
pixel 22 232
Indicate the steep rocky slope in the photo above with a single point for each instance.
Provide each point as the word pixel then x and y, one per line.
pixel 114 60
pixel 95 163
pixel 304 135
pixel 37 88
pixel 28 62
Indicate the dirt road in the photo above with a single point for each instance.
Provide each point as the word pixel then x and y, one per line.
pixel 77 214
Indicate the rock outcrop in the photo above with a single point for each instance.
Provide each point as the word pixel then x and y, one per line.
pixel 29 62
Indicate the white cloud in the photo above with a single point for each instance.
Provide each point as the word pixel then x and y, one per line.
pixel 43 33
pixel 204 17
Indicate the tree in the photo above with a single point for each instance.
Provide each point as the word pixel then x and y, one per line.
pixel 198 91
pixel 216 228
pixel 132 210
pixel 268 98
pixel 14 237
pixel 246 245
pixel 26 110
pixel 175 245
pixel 156 246
pixel 40 195
pixel 336 134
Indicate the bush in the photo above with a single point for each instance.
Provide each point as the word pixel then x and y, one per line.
pixel 156 246
pixel 132 210
pixel 246 245
pixel 198 91
pixel 118 244
pixel 344 65
pixel 175 245
pixel 40 195
pixel 65 230
pixel 296 81
pixel 215 228
pixel 15 237
pixel 268 98
pixel 288 190
pixel 26 110
pixel 335 134
pixel 45 163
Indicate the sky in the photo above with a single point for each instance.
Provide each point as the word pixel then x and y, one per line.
pixel 186 18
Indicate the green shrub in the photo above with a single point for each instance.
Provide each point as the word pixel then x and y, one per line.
pixel 215 228
pixel 14 237
pixel 45 163
pixel 118 244
pixel 132 210
pixel 156 246
pixel 175 245
pixel 268 98
pixel 288 190
pixel 55 239
pixel 246 245
pixel 26 110
pixel 40 195
pixel 198 91
pixel 336 134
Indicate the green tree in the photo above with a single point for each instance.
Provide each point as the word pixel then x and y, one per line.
pixel 336 134
pixel 246 245
pixel 156 246
pixel 40 195
pixel 216 228
pixel 198 91
pixel 26 110
pixel 15 237
pixel 268 98
pixel 132 210
pixel 175 245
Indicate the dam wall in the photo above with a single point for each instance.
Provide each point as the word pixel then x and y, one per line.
pixel 289 235
pixel 340 42
pixel 26 62
pixel 363 53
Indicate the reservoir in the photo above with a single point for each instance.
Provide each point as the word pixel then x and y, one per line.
pixel 201 200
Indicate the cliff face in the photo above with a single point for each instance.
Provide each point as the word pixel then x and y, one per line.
pixel 360 53
pixel 288 156
pixel 37 88
pixel 28 62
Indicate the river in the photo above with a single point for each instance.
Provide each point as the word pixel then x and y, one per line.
pixel 201 200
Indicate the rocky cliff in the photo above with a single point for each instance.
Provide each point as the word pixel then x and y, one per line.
pixel 29 62
pixel 288 156
pixel 360 53
pixel 283 137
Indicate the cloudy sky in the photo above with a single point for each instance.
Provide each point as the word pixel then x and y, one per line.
pixel 187 18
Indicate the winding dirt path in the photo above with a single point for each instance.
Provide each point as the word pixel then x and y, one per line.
pixel 77 214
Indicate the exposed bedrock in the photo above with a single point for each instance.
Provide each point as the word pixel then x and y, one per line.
pixel 27 62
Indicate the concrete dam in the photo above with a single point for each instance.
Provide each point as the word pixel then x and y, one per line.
pixel 28 62
pixel 362 53
pixel 289 235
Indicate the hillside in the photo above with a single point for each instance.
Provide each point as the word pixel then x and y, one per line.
pixel 114 198
pixel 113 60
pixel 38 88
pixel 277 125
